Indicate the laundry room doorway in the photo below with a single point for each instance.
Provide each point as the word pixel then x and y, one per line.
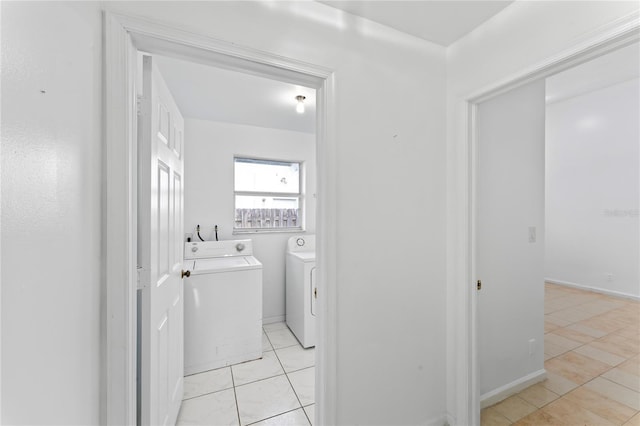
pixel 553 156
pixel 125 38
pixel 250 181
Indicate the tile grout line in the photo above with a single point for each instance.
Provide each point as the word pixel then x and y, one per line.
pixel 261 380
pixel 595 339
pixel 289 380
pixel 207 393
pixel 235 395
pixel 580 304
pixel 284 372
pixel 615 383
pixel 234 382
pixel 595 377
pixel 291 384
pixel 267 378
pixel 608 366
pixel 234 386
pixel 286 327
pixel 271 417
pixel 300 369
pixel 586 356
pixel 601 395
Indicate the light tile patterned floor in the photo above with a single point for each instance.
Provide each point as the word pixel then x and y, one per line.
pixel 592 347
pixel 276 390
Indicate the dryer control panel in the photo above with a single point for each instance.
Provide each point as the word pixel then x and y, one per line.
pixel 302 243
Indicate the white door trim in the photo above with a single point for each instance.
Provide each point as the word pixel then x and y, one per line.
pixel 463 315
pixel 123 35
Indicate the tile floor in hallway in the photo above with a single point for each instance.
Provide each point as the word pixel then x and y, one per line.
pixel 592 346
pixel 275 390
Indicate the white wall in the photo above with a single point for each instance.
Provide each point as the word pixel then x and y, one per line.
pixel 521 36
pixel 51 213
pixel 390 94
pixel 391 302
pixel 208 191
pixel 389 316
pixel 593 189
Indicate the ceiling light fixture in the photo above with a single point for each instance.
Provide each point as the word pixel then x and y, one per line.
pixel 300 106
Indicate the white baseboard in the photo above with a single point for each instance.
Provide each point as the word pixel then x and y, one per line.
pixel 271 320
pixel 450 420
pixel 593 289
pixel 504 392
pixel 437 421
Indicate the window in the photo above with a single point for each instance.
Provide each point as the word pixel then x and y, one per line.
pixel 267 195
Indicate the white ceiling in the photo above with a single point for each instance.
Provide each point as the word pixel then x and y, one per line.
pixel 441 22
pixel 616 67
pixel 209 93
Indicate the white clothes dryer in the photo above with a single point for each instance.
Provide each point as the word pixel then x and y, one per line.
pixel 222 305
pixel 301 288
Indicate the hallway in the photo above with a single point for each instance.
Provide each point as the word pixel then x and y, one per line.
pixel 592 346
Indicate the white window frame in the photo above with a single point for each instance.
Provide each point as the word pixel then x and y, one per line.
pixel 300 226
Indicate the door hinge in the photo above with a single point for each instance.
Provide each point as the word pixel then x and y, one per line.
pixel 479 285
pixel 143 278
pixel 139 105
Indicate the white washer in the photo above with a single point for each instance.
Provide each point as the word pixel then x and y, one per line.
pixel 301 288
pixel 222 305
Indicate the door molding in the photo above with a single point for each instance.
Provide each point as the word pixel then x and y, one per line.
pixel 463 347
pixel 124 35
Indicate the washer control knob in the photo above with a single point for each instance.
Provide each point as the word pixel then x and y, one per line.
pixel 194 249
pixel 300 242
pixel 239 246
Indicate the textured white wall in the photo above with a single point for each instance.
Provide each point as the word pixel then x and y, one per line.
pixel 390 281
pixel 593 189
pixel 390 117
pixel 208 191
pixel 51 213
pixel 523 35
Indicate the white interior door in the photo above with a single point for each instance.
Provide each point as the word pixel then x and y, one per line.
pixel 160 189
pixel 510 237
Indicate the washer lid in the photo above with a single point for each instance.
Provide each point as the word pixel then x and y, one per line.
pixel 224 264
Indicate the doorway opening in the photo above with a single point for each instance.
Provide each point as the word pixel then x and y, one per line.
pixel 533 365
pixel 126 36
pixel 249 178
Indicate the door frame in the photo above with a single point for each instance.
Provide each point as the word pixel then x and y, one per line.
pixel 463 316
pixel 124 35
